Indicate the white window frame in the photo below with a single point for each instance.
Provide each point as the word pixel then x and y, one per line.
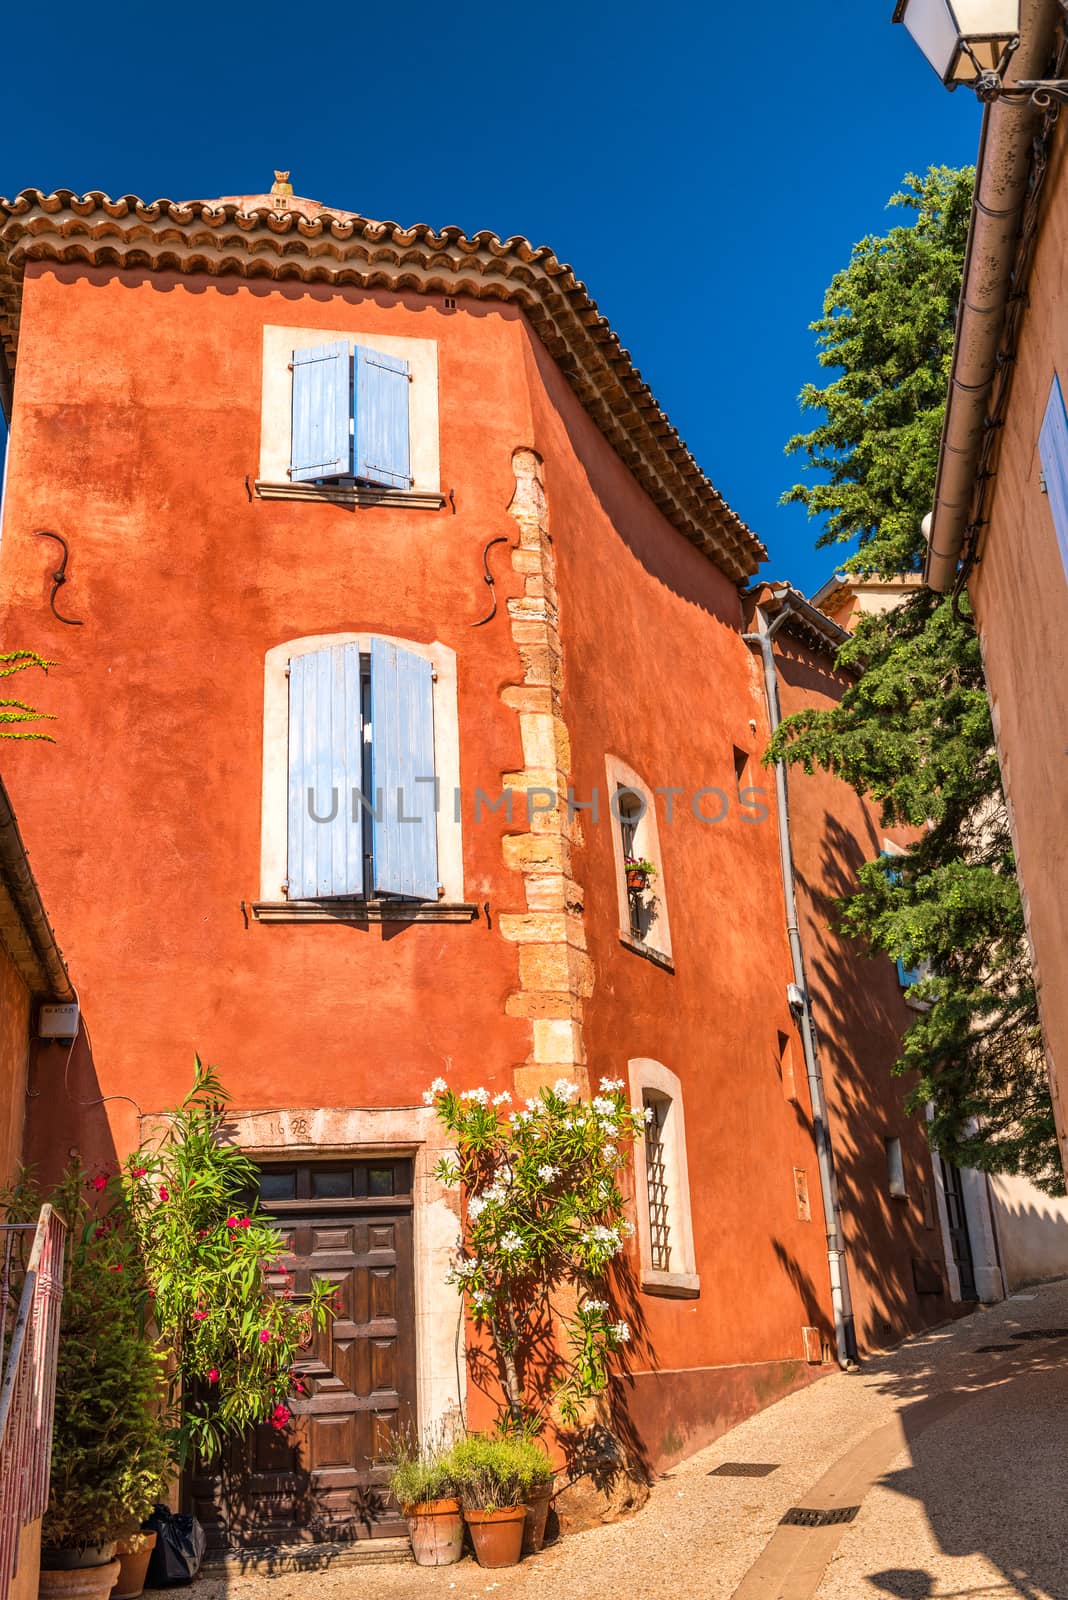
pixel 683 1281
pixel 274 816
pixel 276 415
pixel 657 941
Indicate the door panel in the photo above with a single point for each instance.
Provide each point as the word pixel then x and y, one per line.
pixel 323 1479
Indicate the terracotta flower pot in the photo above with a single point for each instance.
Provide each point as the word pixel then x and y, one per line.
pixel 134 1555
pixel 437 1532
pixel 78 1583
pixel 497 1535
pixel 538 1502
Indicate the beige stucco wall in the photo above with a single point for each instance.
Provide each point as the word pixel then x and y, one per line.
pixel 1020 595
pixel 1032 1232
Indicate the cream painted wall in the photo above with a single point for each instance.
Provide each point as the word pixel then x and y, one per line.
pixel 1032 1232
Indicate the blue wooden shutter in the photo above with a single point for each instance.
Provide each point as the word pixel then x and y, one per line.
pixel 381 421
pixel 1053 448
pixel 325 766
pixel 322 431
pixel 907 976
pixel 405 853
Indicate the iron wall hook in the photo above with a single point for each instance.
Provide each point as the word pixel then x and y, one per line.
pixel 59 577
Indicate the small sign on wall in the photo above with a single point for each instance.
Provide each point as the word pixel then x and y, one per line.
pixel 59 1021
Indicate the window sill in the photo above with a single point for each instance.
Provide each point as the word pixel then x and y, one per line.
pixel 347 910
pixel 657 957
pixel 671 1285
pixel 352 495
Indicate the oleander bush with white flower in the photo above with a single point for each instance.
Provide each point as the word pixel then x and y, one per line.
pixel 543 1219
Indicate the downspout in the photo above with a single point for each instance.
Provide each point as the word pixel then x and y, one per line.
pixel 1003 171
pixel 844 1333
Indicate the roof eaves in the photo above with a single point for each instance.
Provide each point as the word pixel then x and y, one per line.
pixel 345 248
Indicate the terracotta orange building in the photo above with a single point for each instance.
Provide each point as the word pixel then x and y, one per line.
pixel 399 617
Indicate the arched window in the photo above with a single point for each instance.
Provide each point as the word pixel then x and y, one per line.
pixel 662 1185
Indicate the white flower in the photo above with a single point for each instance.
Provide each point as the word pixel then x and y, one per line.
pixel 620 1331
pixel 564 1089
pixel 603 1106
pixel 610 1152
pixel 595 1305
pixel 502 1099
pixel 627 1229
pixel 511 1242
pixel 481 1095
pixel 428 1097
pixel 532 1105
pixel 609 1084
pixel 608 1238
pixel 546 1173
pixel 647 1113
pixel 475 1207
pixel 495 1194
pixel 439 1086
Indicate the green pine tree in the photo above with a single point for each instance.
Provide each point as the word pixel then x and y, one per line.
pixel 913 730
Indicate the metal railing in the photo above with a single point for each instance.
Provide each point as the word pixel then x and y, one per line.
pixel 31 1294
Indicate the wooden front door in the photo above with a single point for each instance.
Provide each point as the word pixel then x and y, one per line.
pixel 959 1239
pixel 323 1479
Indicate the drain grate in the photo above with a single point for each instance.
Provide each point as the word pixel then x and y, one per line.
pixel 744 1469
pixel 804 1517
pixel 989 1349
pixel 1042 1333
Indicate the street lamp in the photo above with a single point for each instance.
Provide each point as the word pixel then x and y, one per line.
pixel 972 42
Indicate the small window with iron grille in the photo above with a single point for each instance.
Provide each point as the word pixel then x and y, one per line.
pixel 668 1263
pixel 656 1178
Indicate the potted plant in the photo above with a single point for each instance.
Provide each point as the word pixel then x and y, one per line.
pixel 134 1551
pixel 492 1478
pixel 421 1480
pixel 537 1474
pixel 109 1452
pixel 640 874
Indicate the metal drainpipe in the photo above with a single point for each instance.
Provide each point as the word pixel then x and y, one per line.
pixel 844 1332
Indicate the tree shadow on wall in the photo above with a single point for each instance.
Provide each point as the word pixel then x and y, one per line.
pixel 860 1015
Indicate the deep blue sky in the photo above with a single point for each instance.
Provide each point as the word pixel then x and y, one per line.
pixel 704 167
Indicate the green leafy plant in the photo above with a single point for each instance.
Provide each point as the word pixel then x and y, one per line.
pixel 14 713
pixel 913 729
pixel 640 864
pixel 229 1342
pixel 421 1468
pixel 490 1474
pixel 543 1220
pixel 110 1458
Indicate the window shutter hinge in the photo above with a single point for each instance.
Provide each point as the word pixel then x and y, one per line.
pixel 289 366
pixel 285 889
pixel 441 891
pixel 1042 484
pixel 433 673
pixel 287 672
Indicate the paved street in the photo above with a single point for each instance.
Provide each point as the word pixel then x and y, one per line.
pixel 955 1457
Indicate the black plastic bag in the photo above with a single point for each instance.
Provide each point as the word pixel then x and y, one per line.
pixel 180 1542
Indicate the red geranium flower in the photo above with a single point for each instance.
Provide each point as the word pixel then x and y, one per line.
pixel 213 1375
pixel 279 1417
pixel 200 1316
pixel 231 1222
pixel 137 1172
pixel 100 1182
pixel 246 1222
pixel 164 1193
pixel 265 1336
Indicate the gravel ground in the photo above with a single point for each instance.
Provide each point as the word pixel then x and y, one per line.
pixel 973 1507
